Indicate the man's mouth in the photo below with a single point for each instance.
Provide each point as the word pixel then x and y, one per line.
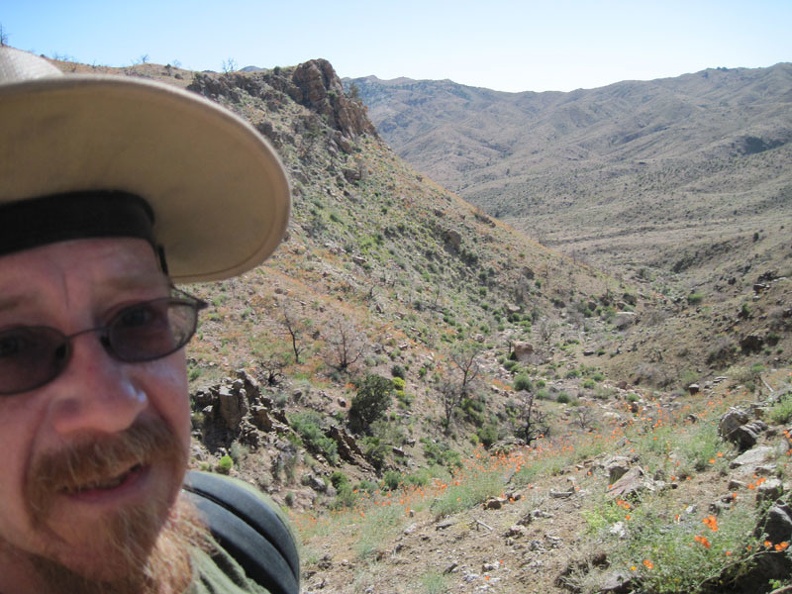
pixel 103 484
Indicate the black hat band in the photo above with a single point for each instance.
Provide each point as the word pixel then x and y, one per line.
pixel 27 224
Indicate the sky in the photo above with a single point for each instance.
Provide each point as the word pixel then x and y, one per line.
pixel 506 45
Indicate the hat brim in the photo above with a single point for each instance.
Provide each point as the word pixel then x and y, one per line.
pixel 218 190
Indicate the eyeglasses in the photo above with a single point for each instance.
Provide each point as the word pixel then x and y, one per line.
pixel 32 356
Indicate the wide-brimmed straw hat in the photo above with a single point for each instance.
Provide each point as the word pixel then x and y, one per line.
pixel 218 191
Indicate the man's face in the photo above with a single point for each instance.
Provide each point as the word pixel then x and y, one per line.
pixel 93 460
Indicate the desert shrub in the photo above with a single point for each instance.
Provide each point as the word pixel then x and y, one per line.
pixel 370 403
pixel 488 434
pixel 308 426
pixel 693 555
pixel 522 382
pixel 511 365
pixel 375 451
pixel 781 413
pixel 338 479
pixel 391 480
pixel 441 454
pixel 224 465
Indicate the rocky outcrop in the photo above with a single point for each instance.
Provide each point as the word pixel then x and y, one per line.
pixel 313 84
pixel 317 87
pixel 235 410
pixel 238 410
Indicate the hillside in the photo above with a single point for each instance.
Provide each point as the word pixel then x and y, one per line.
pixel 506 367
pixel 686 178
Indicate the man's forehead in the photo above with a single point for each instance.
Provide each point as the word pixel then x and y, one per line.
pixel 108 265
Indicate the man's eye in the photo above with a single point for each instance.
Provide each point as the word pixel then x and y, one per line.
pixel 10 345
pixel 15 343
pixel 144 316
pixel 137 316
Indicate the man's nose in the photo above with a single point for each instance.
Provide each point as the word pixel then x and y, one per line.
pixel 95 392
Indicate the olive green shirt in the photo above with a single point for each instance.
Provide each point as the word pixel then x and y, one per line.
pixel 219 573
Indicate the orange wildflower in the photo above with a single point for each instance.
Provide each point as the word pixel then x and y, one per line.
pixel 711 522
pixel 703 541
pixel 648 564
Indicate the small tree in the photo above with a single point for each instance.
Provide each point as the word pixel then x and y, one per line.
pixel 451 395
pixel 530 421
pixel 345 345
pixel 295 325
pixel 465 359
pixel 272 370
pixel 229 66
pixel 373 398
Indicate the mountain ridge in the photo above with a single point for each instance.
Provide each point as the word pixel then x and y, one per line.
pixel 572 169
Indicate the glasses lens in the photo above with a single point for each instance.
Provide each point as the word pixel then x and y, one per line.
pixel 152 329
pixel 30 357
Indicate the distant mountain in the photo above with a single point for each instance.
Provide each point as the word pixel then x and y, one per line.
pixel 634 175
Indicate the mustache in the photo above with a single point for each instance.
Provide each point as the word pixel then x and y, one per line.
pixel 97 460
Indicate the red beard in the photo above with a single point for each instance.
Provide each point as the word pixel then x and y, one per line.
pixel 130 549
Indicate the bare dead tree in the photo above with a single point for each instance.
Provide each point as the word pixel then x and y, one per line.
pixel 584 418
pixel 451 396
pixel 295 325
pixel 272 371
pixel 345 345
pixel 465 358
pixel 531 419
pixel 546 329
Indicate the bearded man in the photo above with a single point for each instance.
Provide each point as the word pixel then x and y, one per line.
pixel 112 191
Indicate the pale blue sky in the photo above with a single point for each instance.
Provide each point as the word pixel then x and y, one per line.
pixel 506 45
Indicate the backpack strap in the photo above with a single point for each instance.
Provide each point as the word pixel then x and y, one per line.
pixel 250 530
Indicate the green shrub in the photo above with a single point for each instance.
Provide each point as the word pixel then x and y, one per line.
pixel 440 453
pixel 781 413
pixel 391 480
pixel 488 434
pixel 522 382
pixel 375 450
pixel 370 403
pixel 224 465
pixel 695 554
pixel 338 479
pixel 308 426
